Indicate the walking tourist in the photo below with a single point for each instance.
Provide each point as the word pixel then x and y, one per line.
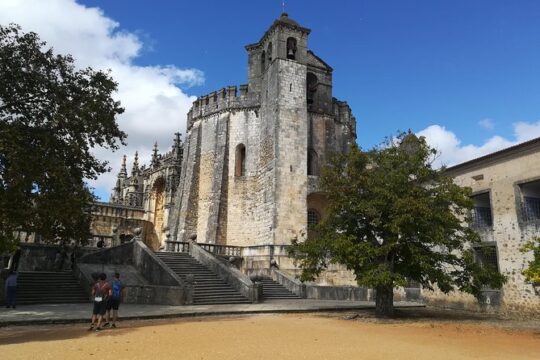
pixel 101 292
pixel 11 290
pixel 117 296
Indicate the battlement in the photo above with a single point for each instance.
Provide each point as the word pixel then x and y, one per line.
pixel 231 97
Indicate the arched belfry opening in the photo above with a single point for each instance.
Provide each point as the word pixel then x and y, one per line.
pixel 313 163
pixel 291 48
pixel 240 160
pixel 311 87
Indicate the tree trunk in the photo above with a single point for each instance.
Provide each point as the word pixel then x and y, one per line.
pixel 384 301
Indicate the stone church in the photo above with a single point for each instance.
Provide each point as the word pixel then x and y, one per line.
pixel 246 178
pixel 247 171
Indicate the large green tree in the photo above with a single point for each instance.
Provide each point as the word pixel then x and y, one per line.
pixel 393 218
pixel 52 115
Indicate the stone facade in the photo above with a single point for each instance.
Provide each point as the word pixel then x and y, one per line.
pixel 252 154
pixel 142 199
pixel 247 173
pixel 506 192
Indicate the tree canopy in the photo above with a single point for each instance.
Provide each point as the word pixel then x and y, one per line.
pixel 532 272
pixel 52 115
pixel 392 218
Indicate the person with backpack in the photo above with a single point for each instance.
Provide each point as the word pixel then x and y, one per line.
pixel 117 295
pixel 101 291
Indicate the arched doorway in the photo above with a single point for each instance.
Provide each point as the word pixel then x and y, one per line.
pixel 157 196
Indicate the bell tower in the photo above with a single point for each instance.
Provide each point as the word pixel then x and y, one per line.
pixel 278 70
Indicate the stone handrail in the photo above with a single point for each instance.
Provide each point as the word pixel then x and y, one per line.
pixel 222 249
pixel 290 283
pixel 152 267
pixel 183 246
pixel 176 246
pixel 229 273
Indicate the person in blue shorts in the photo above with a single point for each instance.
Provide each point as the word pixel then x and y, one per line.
pixel 117 295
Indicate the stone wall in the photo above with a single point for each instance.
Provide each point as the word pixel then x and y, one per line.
pixel 110 220
pixel 250 198
pixel 41 257
pixel 291 151
pixel 148 279
pixel 501 177
pixel 266 204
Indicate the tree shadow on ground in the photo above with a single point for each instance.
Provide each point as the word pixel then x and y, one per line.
pixel 50 332
pixel 24 334
pixel 434 315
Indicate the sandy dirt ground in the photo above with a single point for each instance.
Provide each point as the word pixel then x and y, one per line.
pixel 273 337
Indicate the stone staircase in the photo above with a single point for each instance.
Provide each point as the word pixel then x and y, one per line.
pixel 274 290
pixel 208 287
pixel 43 287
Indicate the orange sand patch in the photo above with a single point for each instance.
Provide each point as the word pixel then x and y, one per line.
pixel 273 337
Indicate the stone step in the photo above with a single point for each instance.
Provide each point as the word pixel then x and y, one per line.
pixel 45 287
pixel 274 290
pixel 208 288
pixel 220 302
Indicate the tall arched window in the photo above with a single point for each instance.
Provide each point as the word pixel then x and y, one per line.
pixel 240 160
pixel 311 87
pixel 291 48
pixel 313 163
pixel 269 53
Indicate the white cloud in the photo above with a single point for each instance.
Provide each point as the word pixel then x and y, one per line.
pixel 155 105
pixel 525 131
pixel 487 124
pixel 453 152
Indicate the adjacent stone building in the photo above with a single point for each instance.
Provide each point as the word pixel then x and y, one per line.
pixel 506 194
pixel 142 199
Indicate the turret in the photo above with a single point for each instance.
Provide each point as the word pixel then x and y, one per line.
pixel 155 157
pixel 123 171
pixel 177 148
pixel 135 168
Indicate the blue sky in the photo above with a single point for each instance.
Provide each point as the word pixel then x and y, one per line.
pixel 400 64
pixel 465 74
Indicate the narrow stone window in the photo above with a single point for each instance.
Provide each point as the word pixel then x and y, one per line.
pixel 291 48
pixel 530 201
pixel 486 256
pixel 311 87
pixel 240 160
pixel 312 217
pixel 313 163
pixel 263 61
pixel 269 53
pixel 481 214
